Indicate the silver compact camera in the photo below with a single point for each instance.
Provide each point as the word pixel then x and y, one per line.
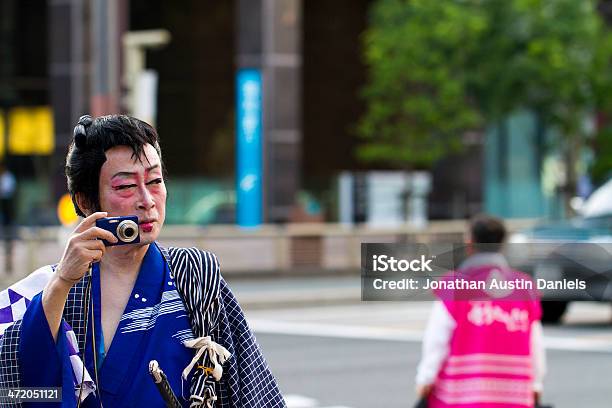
pixel 124 228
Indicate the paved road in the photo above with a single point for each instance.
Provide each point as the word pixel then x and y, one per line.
pixel 334 351
pixel 364 355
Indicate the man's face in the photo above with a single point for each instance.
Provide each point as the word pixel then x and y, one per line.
pixel 129 186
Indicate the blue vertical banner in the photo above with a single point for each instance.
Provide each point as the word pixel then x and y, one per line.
pixel 249 148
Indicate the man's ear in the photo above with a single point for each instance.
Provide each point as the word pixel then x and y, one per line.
pixel 83 204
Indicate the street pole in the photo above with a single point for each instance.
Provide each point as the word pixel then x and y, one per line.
pixel 140 83
pixel 269 48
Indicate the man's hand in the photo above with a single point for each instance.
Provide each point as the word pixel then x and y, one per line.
pixel 84 247
pixel 423 390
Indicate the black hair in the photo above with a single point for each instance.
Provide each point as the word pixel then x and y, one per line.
pixel 86 153
pixel 489 231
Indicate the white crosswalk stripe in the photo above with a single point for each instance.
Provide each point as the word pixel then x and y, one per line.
pixel 300 401
pixel 586 325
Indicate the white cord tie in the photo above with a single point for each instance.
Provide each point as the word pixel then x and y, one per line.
pixel 214 350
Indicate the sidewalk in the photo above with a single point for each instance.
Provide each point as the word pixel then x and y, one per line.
pixel 278 292
pixel 290 248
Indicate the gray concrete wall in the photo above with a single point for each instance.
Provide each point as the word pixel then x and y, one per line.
pixel 289 249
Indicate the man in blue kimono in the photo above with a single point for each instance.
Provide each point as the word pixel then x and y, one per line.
pixel 116 308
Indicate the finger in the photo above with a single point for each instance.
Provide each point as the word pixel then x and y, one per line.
pixel 94 244
pixel 88 222
pixel 98 233
pixel 94 255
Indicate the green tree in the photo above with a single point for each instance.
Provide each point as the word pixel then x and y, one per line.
pixel 440 68
pixel 601 168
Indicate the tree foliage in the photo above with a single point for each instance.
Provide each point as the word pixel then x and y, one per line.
pixel 440 68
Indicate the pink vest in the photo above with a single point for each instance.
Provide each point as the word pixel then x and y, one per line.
pixel 490 363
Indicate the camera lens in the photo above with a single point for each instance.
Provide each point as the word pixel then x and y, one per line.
pixel 127 231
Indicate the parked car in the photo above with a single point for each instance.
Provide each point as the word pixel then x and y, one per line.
pixel 579 249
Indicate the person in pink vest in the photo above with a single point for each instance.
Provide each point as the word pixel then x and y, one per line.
pixel 483 348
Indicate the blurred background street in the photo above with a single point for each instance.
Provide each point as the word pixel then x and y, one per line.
pixel 293 131
pixel 365 354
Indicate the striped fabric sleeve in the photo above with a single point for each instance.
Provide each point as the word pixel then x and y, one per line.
pixel 197 277
pixel 250 383
pixel 214 311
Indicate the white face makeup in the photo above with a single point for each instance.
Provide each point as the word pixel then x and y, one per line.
pixel 129 186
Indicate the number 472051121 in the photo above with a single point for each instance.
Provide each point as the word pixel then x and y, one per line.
pixel 31 394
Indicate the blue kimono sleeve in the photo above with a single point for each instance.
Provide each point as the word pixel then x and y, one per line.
pixel 42 361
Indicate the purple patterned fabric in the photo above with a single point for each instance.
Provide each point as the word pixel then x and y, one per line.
pixel 18 297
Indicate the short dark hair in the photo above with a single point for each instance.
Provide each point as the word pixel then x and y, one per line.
pixel 86 153
pixel 488 230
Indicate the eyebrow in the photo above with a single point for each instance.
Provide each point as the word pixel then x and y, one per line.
pixel 130 174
